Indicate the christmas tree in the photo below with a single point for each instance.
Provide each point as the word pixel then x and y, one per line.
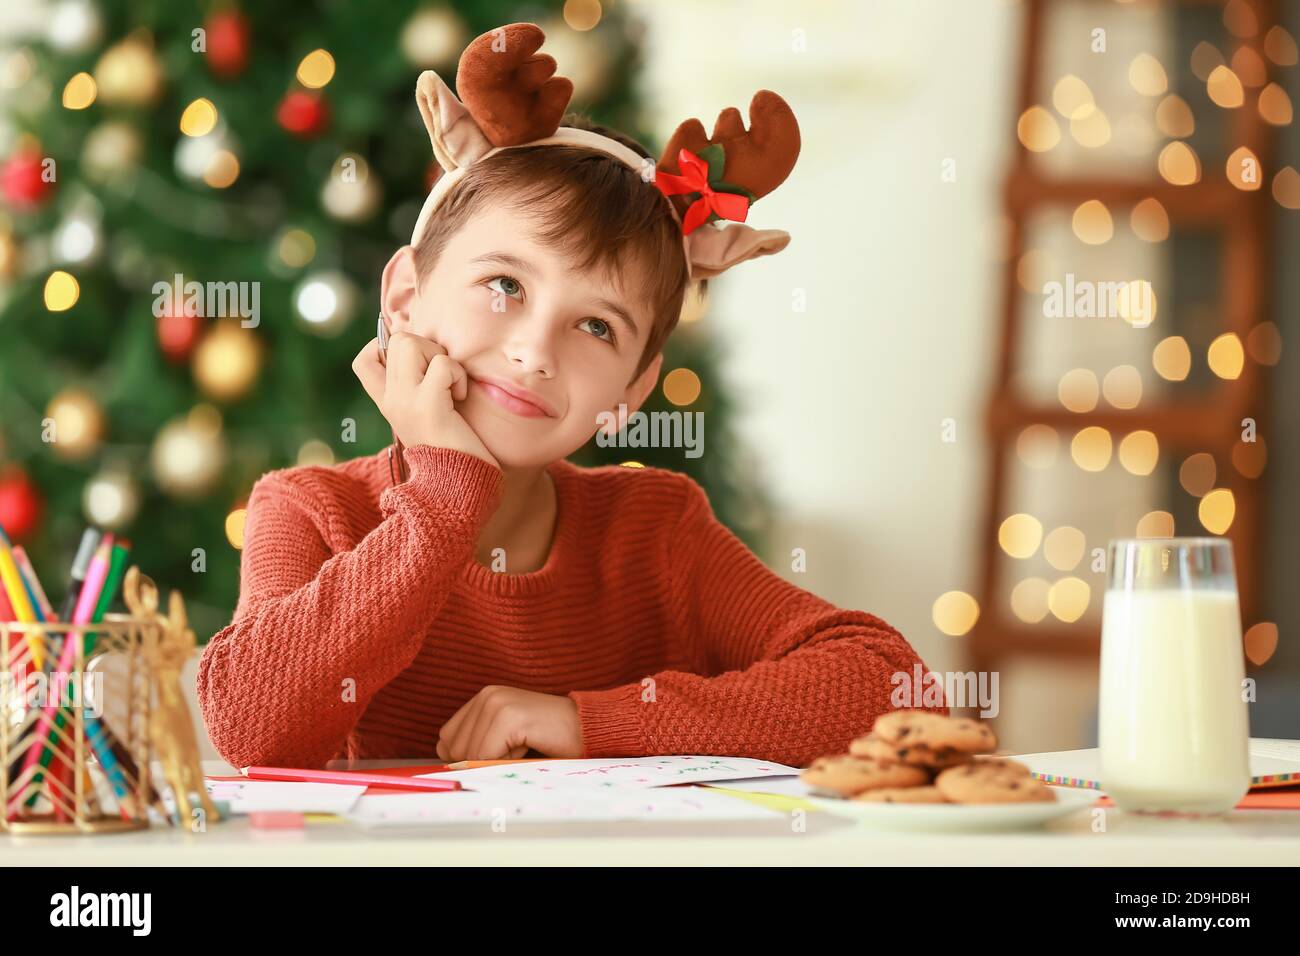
pixel 273 155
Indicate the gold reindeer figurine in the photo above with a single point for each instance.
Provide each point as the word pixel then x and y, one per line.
pixel 171 733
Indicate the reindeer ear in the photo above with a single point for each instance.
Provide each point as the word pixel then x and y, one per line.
pixel 714 250
pixel 456 138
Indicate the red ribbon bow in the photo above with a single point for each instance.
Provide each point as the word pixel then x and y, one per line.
pixel 695 179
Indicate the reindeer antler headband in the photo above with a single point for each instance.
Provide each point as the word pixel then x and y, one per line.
pixel 510 97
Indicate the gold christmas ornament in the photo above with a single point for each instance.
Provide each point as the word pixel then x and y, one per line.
pixel 585 57
pixel 187 459
pixel 129 72
pixel 111 149
pixel 434 37
pixel 227 361
pixel 352 192
pixel 73 425
pixel 111 500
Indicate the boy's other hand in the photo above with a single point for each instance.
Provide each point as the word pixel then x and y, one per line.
pixel 504 723
pixel 416 389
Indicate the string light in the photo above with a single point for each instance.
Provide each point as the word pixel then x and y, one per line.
pixel 199 118
pixel 1122 386
pixel 316 69
pixel 1260 641
pixel 1072 98
pixel 1264 343
pixel 1216 510
pixel 1280 46
pixel 1224 88
pixel 1242 169
pixel 1068 598
pixel 1155 524
pixel 582 15
pixel 1179 164
pixel 1019 535
pixel 1286 188
pixel 1174 117
pixel 1226 356
pixel 682 386
pixel 1250 457
pixel 1092 223
pixel 1029 600
pixel 1078 390
pixel 1149 220
pixel 1091 448
pixel 1147 76
pixel 79 92
pixel 1037 130
pixel 1197 473
pixel 1274 105
pixel 1063 547
pixel 1038 445
pixel 61 291
pixel 1139 451
pixel 955 613
pixel 1172 358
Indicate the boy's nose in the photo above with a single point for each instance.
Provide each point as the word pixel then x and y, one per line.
pixel 530 347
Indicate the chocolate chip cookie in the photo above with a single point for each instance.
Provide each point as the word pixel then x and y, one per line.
pixel 845 775
pixel 936 731
pixel 913 754
pixel 989 781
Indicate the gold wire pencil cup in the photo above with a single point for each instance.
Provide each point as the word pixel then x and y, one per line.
pixel 77 736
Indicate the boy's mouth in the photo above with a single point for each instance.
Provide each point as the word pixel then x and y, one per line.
pixel 513 398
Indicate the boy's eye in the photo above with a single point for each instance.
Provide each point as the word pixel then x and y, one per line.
pixel 509 286
pixel 603 329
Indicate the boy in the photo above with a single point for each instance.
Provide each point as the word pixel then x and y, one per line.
pixel 501 600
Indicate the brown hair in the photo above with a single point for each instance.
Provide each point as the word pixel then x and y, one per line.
pixel 587 204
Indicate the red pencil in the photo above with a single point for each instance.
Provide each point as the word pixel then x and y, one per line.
pixel 356 778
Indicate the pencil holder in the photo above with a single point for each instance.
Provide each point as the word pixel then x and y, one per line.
pixel 78 739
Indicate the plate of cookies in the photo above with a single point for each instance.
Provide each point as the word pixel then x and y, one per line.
pixel 919 770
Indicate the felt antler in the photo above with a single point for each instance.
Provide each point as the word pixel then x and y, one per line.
pixel 508 95
pixel 756 161
pixel 510 89
pixel 760 159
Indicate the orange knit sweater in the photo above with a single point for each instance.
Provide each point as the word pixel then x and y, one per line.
pixel 364 622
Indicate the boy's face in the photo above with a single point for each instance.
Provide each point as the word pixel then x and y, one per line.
pixel 512 311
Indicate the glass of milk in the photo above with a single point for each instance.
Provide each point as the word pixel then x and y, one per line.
pixel 1174 729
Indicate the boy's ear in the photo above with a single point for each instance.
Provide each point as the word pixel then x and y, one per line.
pixel 636 393
pixel 399 288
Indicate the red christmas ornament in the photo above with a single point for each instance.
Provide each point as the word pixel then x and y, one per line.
pixel 177 336
pixel 303 114
pixel 23 181
pixel 20 504
pixel 227 44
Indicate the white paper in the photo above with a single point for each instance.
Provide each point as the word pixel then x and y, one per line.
pixel 1269 756
pixel 573 805
pixel 614 773
pixel 782 786
pixel 257 796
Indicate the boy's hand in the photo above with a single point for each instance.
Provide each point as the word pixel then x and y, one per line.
pixel 416 388
pixel 504 723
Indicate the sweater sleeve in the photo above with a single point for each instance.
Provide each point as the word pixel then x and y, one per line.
pixel 316 635
pixel 791 676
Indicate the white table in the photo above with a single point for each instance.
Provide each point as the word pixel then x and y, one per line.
pixel 1243 838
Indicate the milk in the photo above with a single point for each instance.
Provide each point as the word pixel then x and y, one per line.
pixel 1174 733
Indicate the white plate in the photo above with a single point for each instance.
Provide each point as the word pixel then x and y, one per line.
pixel 955 817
